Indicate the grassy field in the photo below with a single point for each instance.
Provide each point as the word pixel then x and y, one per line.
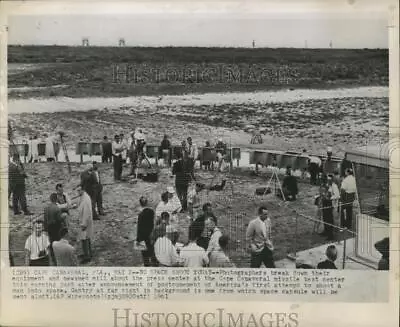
pixel 114 71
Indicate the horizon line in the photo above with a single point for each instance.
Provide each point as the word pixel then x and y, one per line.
pixel 192 46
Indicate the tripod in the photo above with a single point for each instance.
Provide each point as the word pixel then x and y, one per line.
pixel 275 179
pixel 64 147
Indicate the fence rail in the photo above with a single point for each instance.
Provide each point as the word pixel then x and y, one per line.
pixel 267 157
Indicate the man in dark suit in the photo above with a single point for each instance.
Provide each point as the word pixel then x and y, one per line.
pixel 53 220
pixel 289 186
pixel 182 179
pixel 88 183
pixel 17 178
pixel 98 189
pixel 165 151
pixel 331 255
pixel 344 165
pixel 106 148
pixel 145 227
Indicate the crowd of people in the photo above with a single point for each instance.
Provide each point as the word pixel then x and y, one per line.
pixel 158 229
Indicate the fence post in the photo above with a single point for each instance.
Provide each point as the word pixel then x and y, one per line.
pixel 293 256
pixel 295 237
pixel 344 249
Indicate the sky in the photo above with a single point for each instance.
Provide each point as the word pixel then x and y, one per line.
pixel 267 30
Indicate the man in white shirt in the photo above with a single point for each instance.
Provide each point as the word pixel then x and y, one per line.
pixel 140 144
pixel 33 150
pixel 258 236
pixel 64 253
pixel 117 149
pixel 192 154
pixel 192 255
pixel 37 246
pixel 347 196
pixel 335 194
pixel 314 168
pixel 213 245
pixel 194 201
pixel 219 258
pixel 165 251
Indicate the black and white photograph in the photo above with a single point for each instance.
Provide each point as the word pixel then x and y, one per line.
pixel 201 141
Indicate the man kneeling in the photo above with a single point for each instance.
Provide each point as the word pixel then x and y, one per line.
pixel 289 186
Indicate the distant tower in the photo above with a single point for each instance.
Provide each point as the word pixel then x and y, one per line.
pixel 121 42
pixel 85 42
pixel 330 44
pixel 305 44
pixel 254 44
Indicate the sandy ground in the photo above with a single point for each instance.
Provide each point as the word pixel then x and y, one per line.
pixel 235 206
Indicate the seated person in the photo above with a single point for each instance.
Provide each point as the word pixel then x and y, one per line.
pixel 289 186
pixel 331 256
